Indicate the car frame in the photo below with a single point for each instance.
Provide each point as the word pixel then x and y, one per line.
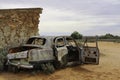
pixel 50 53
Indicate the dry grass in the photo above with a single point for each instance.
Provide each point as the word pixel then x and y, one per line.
pixel 108 69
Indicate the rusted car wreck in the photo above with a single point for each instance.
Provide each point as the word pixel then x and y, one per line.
pixel 50 53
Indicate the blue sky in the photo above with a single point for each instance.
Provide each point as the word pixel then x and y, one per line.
pixel 62 17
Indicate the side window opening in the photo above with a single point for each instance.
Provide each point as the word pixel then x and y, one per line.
pixel 70 42
pixel 60 42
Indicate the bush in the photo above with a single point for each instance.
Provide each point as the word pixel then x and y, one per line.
pixel 3 53
pixel 109 36
pixel 76 35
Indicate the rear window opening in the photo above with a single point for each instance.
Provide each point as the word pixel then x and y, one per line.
pixel 36 41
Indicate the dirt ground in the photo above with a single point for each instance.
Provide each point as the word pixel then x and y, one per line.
pixel 108 69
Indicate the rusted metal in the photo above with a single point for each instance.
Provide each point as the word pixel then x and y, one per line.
pixel 57 51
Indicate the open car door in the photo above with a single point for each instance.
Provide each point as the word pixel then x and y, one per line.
pixel 61 50
pixel 90 55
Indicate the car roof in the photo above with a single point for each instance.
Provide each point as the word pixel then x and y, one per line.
pixel 49 39
pixel 47 36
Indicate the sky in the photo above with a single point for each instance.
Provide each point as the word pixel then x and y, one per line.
pixel 62 17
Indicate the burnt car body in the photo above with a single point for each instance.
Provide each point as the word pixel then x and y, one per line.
pixel 49 53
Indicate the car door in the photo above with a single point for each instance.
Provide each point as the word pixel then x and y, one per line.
pixel 90 55
pixel 61 48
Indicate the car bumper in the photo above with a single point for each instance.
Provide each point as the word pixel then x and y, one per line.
pixel 27 66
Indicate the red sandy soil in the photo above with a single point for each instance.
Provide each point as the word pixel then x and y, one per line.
pixel 108 69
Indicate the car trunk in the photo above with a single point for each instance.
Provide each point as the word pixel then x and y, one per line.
pixel 20 52
pixel 21 49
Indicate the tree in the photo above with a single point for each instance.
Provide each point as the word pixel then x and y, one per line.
pixel 76 35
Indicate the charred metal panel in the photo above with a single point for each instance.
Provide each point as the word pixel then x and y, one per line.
pixel 41 54
pixel 62 51
pixel 90 55
pixel 17 55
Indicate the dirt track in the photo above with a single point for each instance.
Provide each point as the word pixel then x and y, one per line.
pixel 108 69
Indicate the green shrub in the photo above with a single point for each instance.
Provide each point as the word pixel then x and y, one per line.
pixel 76 35
pixel 3 53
